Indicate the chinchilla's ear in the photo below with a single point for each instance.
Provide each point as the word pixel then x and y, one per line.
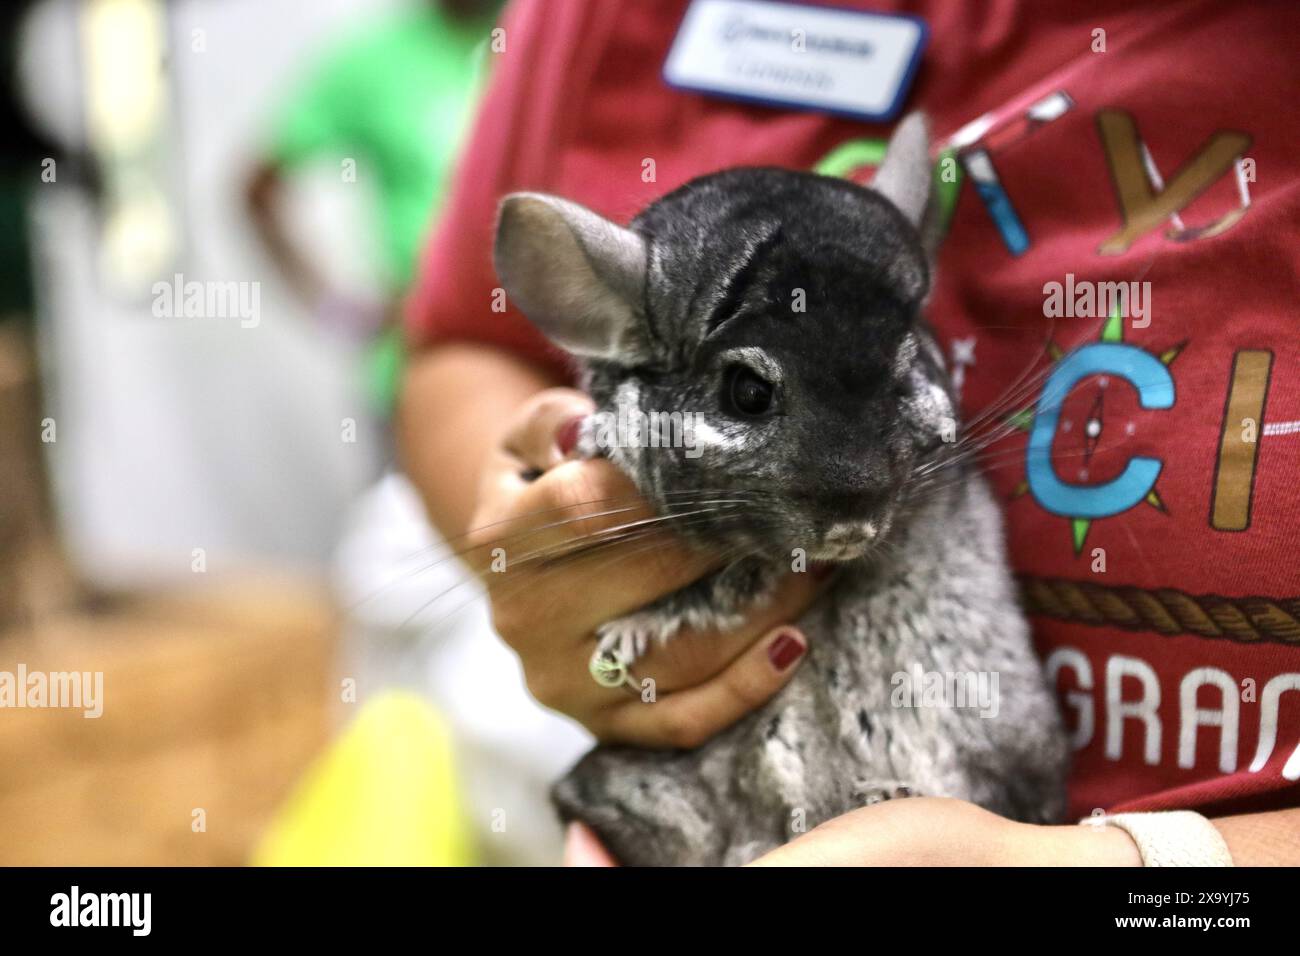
pixel 904 176
pixel 577 276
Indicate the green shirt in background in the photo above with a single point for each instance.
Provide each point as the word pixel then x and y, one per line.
pixel 396 96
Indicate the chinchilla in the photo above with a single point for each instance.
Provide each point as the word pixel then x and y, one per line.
pixel 780 313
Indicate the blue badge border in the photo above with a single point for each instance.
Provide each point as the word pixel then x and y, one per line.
pixel 889 113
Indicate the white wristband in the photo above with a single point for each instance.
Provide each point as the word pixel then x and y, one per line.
pixel 1173 838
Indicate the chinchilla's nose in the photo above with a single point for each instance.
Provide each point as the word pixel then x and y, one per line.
pixel 838 506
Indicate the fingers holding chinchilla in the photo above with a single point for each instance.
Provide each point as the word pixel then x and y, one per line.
pixel 702 682
pixel 694 656
pixel 687 718
pixel 532 499
pixel 545 430
pixel 582 548
pixel 568 500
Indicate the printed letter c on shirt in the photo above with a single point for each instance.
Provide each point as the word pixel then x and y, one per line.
pixel 1155 389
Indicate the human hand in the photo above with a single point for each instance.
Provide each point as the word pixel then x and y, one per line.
pixel 936 831
pixel 536 509
pixel 920 831
pixel 583 848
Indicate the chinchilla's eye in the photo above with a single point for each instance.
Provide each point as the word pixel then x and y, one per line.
pixel 746 393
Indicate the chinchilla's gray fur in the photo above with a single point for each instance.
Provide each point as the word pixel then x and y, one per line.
pixel 853 464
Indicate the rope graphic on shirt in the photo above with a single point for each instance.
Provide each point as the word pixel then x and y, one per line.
pixel 1165 610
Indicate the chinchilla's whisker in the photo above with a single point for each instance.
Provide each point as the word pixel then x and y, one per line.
pixel 564 549
pixel 447 542
pixel 984 459
pixel 649 539
pixel 497 542
pixel 955 453
pixel 514 586
pixel 1025 384
pixel 1010 397
pixel 944 480
pixel 655 523
pixel 1028 379
pixel 1136 544
pixel 638 502
pixel 980 452
pixel 545 562
pixel 634 498
pixel 996 432
pixel 623 555
pixel 696 504
pixel 577 543
pixel 576 548
pixel 959 456
pixel 474 582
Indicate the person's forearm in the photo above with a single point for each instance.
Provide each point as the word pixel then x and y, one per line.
pixel 1253 839
pixel 1262 839
pixel 455 401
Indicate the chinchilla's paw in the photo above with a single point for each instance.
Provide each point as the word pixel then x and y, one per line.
pixel 878 791
pixel 628 638
pixel 716 603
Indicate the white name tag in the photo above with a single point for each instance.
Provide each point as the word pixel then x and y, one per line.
pixel 790 55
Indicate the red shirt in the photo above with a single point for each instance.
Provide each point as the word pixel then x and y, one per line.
pixel 1165 595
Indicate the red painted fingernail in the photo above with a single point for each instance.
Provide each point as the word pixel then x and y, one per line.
pixel 821 570
pixel 786 649
pixel 566 436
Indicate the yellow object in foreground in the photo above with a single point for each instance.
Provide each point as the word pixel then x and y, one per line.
pixel 384 794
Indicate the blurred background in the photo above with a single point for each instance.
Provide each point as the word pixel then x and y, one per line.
pixel 209 212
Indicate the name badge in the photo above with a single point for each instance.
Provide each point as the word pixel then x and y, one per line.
pixel 790 55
